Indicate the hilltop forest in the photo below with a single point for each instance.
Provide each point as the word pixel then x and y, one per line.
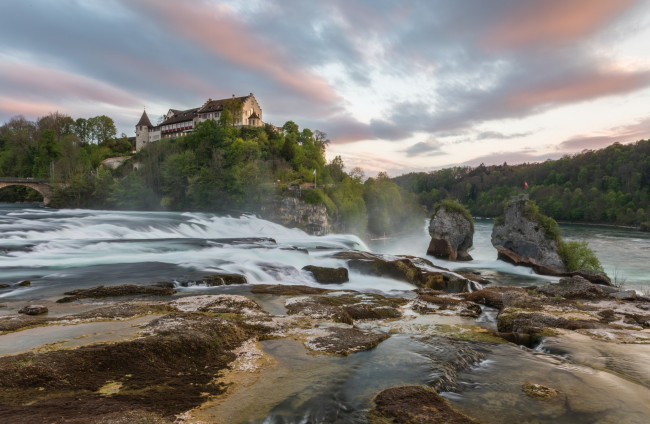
pixel 218 167
pixel 607 186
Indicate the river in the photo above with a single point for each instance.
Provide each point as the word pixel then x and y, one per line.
pixel 60 250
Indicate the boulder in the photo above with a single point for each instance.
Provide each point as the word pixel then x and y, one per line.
pixel 414 404
pixel 4 286
pixel 344 341
pixel 624 295
pixel 33 310
pixel 574 288
pixel 593 277
pixel 223 280
pixel 451 235
pixel 115 291
pixel 25 283
pixel 522 238
pixel 412 270
pixel 326 275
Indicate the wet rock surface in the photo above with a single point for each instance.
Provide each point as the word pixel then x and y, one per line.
pixel 416 271
pixel 344 341
pixel 451 235
pixel 166 371
pixel 527 315
pixel 33 310
pixel 346 307
pixel 180 354
pixel 222 280
pixel 414 405
pixel 325 275
pixel 281 289
pixel 114 291
pixel 539 391
pixel 432 301
pixel 574 288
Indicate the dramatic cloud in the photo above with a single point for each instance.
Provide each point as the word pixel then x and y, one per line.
pixel 495 135
pixel 425 148
pixel 18 78
pixel 542 22
pixel 576 87
pixel 623 134
pixel 218 30
pixel 360 70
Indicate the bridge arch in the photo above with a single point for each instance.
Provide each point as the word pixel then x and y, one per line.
pixel 40 185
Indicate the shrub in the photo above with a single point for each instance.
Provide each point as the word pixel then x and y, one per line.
pixel 316 196
pixel 577 255
pixel 455 206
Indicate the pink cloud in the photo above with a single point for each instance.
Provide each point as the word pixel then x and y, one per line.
pixel 13 107
pixel 543 22
pixel 62 84
pixel 582 87
pixel 621 134
pixel 219 31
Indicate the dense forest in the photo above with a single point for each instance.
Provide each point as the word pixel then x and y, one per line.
pixel 607 186
pixel 218 167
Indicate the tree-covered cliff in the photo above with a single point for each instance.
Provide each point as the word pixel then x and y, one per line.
pixel 218 168
pixel 610 186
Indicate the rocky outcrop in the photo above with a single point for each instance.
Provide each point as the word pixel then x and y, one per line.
pixel 414 404
pixel 293 212
pixel 451 235
pixel 114 291
pixel 527 315
pixel 416 271
pixel 344 341
pixel 523 239
pixel 346 308
pixel 33 310
pixel 326 275
pixel 574 288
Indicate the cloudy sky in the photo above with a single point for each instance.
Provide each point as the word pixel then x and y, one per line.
pixel 398 86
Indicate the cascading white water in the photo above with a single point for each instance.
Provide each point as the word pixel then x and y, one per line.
pixel 79 248
pixel 58 246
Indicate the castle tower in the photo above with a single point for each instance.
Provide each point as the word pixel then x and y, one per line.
pixel 142 131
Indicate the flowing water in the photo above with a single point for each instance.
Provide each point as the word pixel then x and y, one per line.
pixel 60 250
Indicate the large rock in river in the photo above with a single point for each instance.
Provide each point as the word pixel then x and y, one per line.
pixel 451 235
pixel 523 238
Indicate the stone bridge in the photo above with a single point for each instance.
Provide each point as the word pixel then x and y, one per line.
pixel 41 185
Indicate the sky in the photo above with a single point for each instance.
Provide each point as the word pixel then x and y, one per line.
pixel 398 86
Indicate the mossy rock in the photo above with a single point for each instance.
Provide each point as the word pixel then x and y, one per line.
pixel 538 391
pixel 326 275
pixel 414 405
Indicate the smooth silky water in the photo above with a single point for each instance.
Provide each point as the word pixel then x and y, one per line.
pixel 60 250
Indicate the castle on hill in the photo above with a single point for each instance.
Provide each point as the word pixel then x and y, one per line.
pixel 179 122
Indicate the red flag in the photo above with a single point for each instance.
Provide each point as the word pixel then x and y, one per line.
pixel 526 184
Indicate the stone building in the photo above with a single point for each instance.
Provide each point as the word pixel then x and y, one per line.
pixel 179 122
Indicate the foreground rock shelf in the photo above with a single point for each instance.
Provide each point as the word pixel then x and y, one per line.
pixel 196 350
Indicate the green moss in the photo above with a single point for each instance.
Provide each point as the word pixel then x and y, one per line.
pixel 456 206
